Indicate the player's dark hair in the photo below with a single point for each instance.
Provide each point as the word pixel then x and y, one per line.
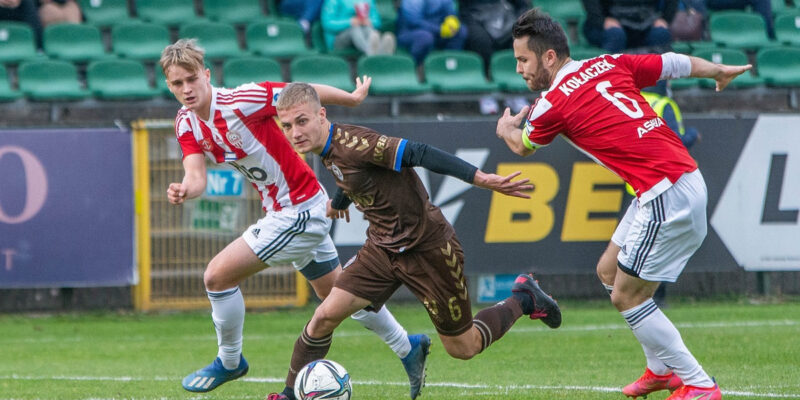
pixel 543 33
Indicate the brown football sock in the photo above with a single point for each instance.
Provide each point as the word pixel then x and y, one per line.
pixel 306 350
pixel 493 322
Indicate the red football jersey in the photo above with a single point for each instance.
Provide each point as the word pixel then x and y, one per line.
pixel 597 106
pixel 244 133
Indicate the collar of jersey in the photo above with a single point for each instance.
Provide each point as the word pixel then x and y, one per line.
pixel 328 143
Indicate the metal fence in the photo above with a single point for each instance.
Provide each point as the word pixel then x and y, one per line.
pixel 175 243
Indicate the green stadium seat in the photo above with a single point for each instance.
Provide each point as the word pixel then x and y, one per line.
pixel 387 10
pixel 391 75
pixel 279 38
pixel 16 42
pixel 584 52
pixel 233 11
pixel 318 43
pixel 217 38
pixel 738 29
pixel 139 40
pixel 450 71
pixel 682 47
pixel 779 66
pixel 105 13
pixel 74 42
pixel 250 69
pixel 118 80
pixel 563 9
pixel 503 69
pixel 171 12
pixel 6 92
pixel 730 57
pixel 50 80
pixel 787 29
pixel 324 68
pixel 684 83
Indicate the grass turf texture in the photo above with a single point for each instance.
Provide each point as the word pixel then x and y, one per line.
pixel 752 349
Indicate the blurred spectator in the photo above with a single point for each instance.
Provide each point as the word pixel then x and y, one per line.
pixel 763 7
pixel 488 24
pixel 616 25
pixel 306 12
pixel 424 25
pixel 355 23
pixel 59 11
pixel 22 11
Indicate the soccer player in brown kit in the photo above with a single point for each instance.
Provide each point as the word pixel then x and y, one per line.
pixel 408 240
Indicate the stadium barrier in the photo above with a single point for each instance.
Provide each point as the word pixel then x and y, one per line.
pixel 175 243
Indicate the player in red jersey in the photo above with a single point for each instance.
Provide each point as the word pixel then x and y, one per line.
pixel 596 105
pixel 238 127
pixel 409 242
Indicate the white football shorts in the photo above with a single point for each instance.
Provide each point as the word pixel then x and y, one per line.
pixel 298 236
pixel 657 238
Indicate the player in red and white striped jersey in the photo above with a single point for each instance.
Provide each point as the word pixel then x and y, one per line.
pixel 596 106
pixel 239 127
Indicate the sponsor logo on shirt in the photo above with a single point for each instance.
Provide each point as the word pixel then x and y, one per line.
pixel 578 80
pixel 276 93
pixel 206 144
pixel 649 126
pixel 337 172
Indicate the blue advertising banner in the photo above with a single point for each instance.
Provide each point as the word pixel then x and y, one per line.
pixel 66 208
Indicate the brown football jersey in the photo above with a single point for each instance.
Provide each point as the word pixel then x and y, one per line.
pixel 367 166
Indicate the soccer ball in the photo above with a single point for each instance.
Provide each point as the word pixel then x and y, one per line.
pixel 323 379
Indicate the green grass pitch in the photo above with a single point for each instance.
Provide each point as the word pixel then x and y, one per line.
pixel 753 350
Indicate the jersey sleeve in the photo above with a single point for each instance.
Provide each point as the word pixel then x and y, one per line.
pixel 646 68
pixel 273 94
pixel 542 125
pixel 183 130
pixel 369 147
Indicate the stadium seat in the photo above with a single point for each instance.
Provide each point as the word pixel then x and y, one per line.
pixel 171 13
pixel 74 42
pixel 325 68
pixel 391 75
pixel 279 38
pixel 563 9
pixel 503 69
pixel 16 42
pixel 779 66
pixel 139 40
pixel 233 11
pixel 6 92
pixel 104 13
pixel 387 10
pixel 250 69
pixel 584 52
pixel 50 80
pixel 118 80
pixel 451 71
pixel 217 38
pixel 318 43
pixel 787 29
pixel 730 57
pixel 738 29
pixel 684 83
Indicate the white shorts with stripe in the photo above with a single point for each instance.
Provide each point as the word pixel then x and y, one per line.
pixel 296 236
pixel 657 238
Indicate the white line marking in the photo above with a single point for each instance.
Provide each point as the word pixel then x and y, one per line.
pixel 480 386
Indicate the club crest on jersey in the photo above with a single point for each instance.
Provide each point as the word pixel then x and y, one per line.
pixel 206 144
pixel 337 172
pixel 235 139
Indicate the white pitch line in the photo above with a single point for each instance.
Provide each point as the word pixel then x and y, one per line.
pixel 457 385
pixel 363 332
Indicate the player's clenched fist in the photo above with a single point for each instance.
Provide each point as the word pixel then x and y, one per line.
pixel 176 193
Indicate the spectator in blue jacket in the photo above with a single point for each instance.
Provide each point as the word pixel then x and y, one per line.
pixel 306 12
pixel 425 25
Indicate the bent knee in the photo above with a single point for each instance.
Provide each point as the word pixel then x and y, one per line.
pixel 214 278
pixel 461 354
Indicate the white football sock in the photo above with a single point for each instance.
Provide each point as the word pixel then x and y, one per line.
pixel 227 311
pixel 653 363
pixel 385 326
pixel 655 332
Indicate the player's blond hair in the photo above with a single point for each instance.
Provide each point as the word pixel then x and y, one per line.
pixel 184 53
pixel 298 93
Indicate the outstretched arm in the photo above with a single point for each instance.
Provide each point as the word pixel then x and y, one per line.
pixel 194 180
pixel 436 160
pixel 721 73
pixel 332 95
pixel 508 129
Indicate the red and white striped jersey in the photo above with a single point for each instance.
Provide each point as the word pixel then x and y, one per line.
pixel 597 106
pixel 243 132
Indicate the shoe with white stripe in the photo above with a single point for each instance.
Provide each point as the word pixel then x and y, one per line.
pixel 215 374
